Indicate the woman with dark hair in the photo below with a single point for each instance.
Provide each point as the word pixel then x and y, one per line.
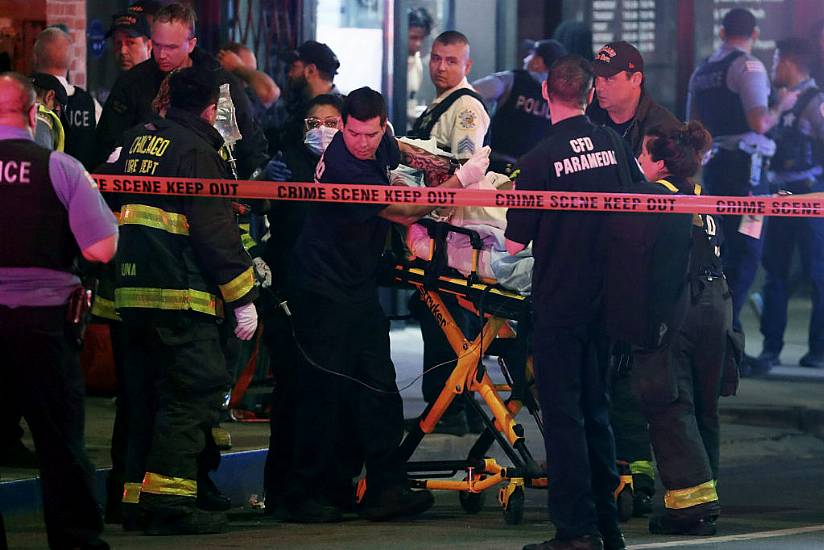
pixel 683 424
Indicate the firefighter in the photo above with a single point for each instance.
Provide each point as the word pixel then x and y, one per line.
pixel 182 268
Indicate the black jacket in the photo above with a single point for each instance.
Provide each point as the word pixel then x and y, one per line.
pixel 649 115
pixel 178 252
pixel 130 103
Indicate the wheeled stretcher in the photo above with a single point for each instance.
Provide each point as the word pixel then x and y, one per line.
pixel 506 325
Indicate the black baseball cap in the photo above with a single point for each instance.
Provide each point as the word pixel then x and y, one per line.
pixel 133 24
pixel 46 81
pixel 616 57
pixel 548 50
pixel 318 54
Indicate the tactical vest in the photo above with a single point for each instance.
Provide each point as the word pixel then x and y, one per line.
pixel 422 129
pixel 80 127
pixel 719 108
pixel 34 224
pixel 523 120
pixel 796 151
pixel 157 266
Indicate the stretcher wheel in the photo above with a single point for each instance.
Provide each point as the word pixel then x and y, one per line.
pixel 472 503
pixel 624 502
pixel 514 508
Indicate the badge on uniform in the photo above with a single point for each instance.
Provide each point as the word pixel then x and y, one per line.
pixel 468 119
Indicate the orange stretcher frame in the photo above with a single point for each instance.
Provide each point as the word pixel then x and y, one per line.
pixel 469 377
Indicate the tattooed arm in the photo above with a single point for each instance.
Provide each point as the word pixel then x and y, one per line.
pixel 436 169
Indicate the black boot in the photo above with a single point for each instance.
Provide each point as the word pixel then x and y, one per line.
pixel 667 525
pixel 586 542
pixel 395 501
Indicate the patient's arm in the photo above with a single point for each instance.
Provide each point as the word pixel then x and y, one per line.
pixel 436 169
pixel 407 214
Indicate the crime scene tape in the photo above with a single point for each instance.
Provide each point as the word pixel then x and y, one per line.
pixel 811 205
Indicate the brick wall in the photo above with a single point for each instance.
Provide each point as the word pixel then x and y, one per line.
pixel 72 13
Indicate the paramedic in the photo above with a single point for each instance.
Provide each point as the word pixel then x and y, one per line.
pixel 340 326
pixel 568 277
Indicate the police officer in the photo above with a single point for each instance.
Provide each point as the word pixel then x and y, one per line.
pixel 569 349
pixel 174 46
pixel 521 116
pixel 728 94
pixel 340 326
pixel 182 268
pixel 52 55
pixel 457 120
pixel 623 103
pixel 796 168
pixel 51 102
pixel 678 384
pixel 50 210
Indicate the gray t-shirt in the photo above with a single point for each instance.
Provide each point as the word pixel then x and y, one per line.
pixel 90 220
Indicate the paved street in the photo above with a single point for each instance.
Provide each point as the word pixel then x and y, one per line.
pixel 771 480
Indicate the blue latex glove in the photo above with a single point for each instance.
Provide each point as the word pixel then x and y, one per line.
pixel 276 170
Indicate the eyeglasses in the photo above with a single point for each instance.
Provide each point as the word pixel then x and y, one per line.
pixel 329 122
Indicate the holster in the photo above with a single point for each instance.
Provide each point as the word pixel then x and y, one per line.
pixel 78 312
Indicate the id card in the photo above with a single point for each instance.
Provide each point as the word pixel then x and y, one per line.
pixel 751 226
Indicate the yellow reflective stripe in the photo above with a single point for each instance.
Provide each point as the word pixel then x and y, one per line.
pixel 247 241
pixel 131 493
pixel 156 218
pixel 50 117
pixel 692 496
pixel 238 287
pixel 103 307
pixel 157 484
pixel 668 185
pixel 166 298
pixel 642 467
pixel 697 190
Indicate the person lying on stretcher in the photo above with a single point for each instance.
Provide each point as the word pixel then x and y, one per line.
pixel 512 272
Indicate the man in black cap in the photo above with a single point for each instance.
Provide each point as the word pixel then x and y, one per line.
pixel 621 101
pixel 312 69
pixel 521 116
pixel 623 104
pixel 131 39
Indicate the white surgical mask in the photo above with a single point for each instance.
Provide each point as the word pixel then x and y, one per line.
pixel 318 139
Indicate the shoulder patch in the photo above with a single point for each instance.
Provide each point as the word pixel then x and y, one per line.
pixel 466 145
pixel 754 67
pixel 468 119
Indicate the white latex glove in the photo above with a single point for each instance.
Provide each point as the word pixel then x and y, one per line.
pixel 247 320
pixel 474 169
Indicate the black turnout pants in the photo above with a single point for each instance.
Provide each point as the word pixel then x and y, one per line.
pixel 41 371
pixel 333 415
pixel 570 367
pixel 679 386
pixel 175 378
